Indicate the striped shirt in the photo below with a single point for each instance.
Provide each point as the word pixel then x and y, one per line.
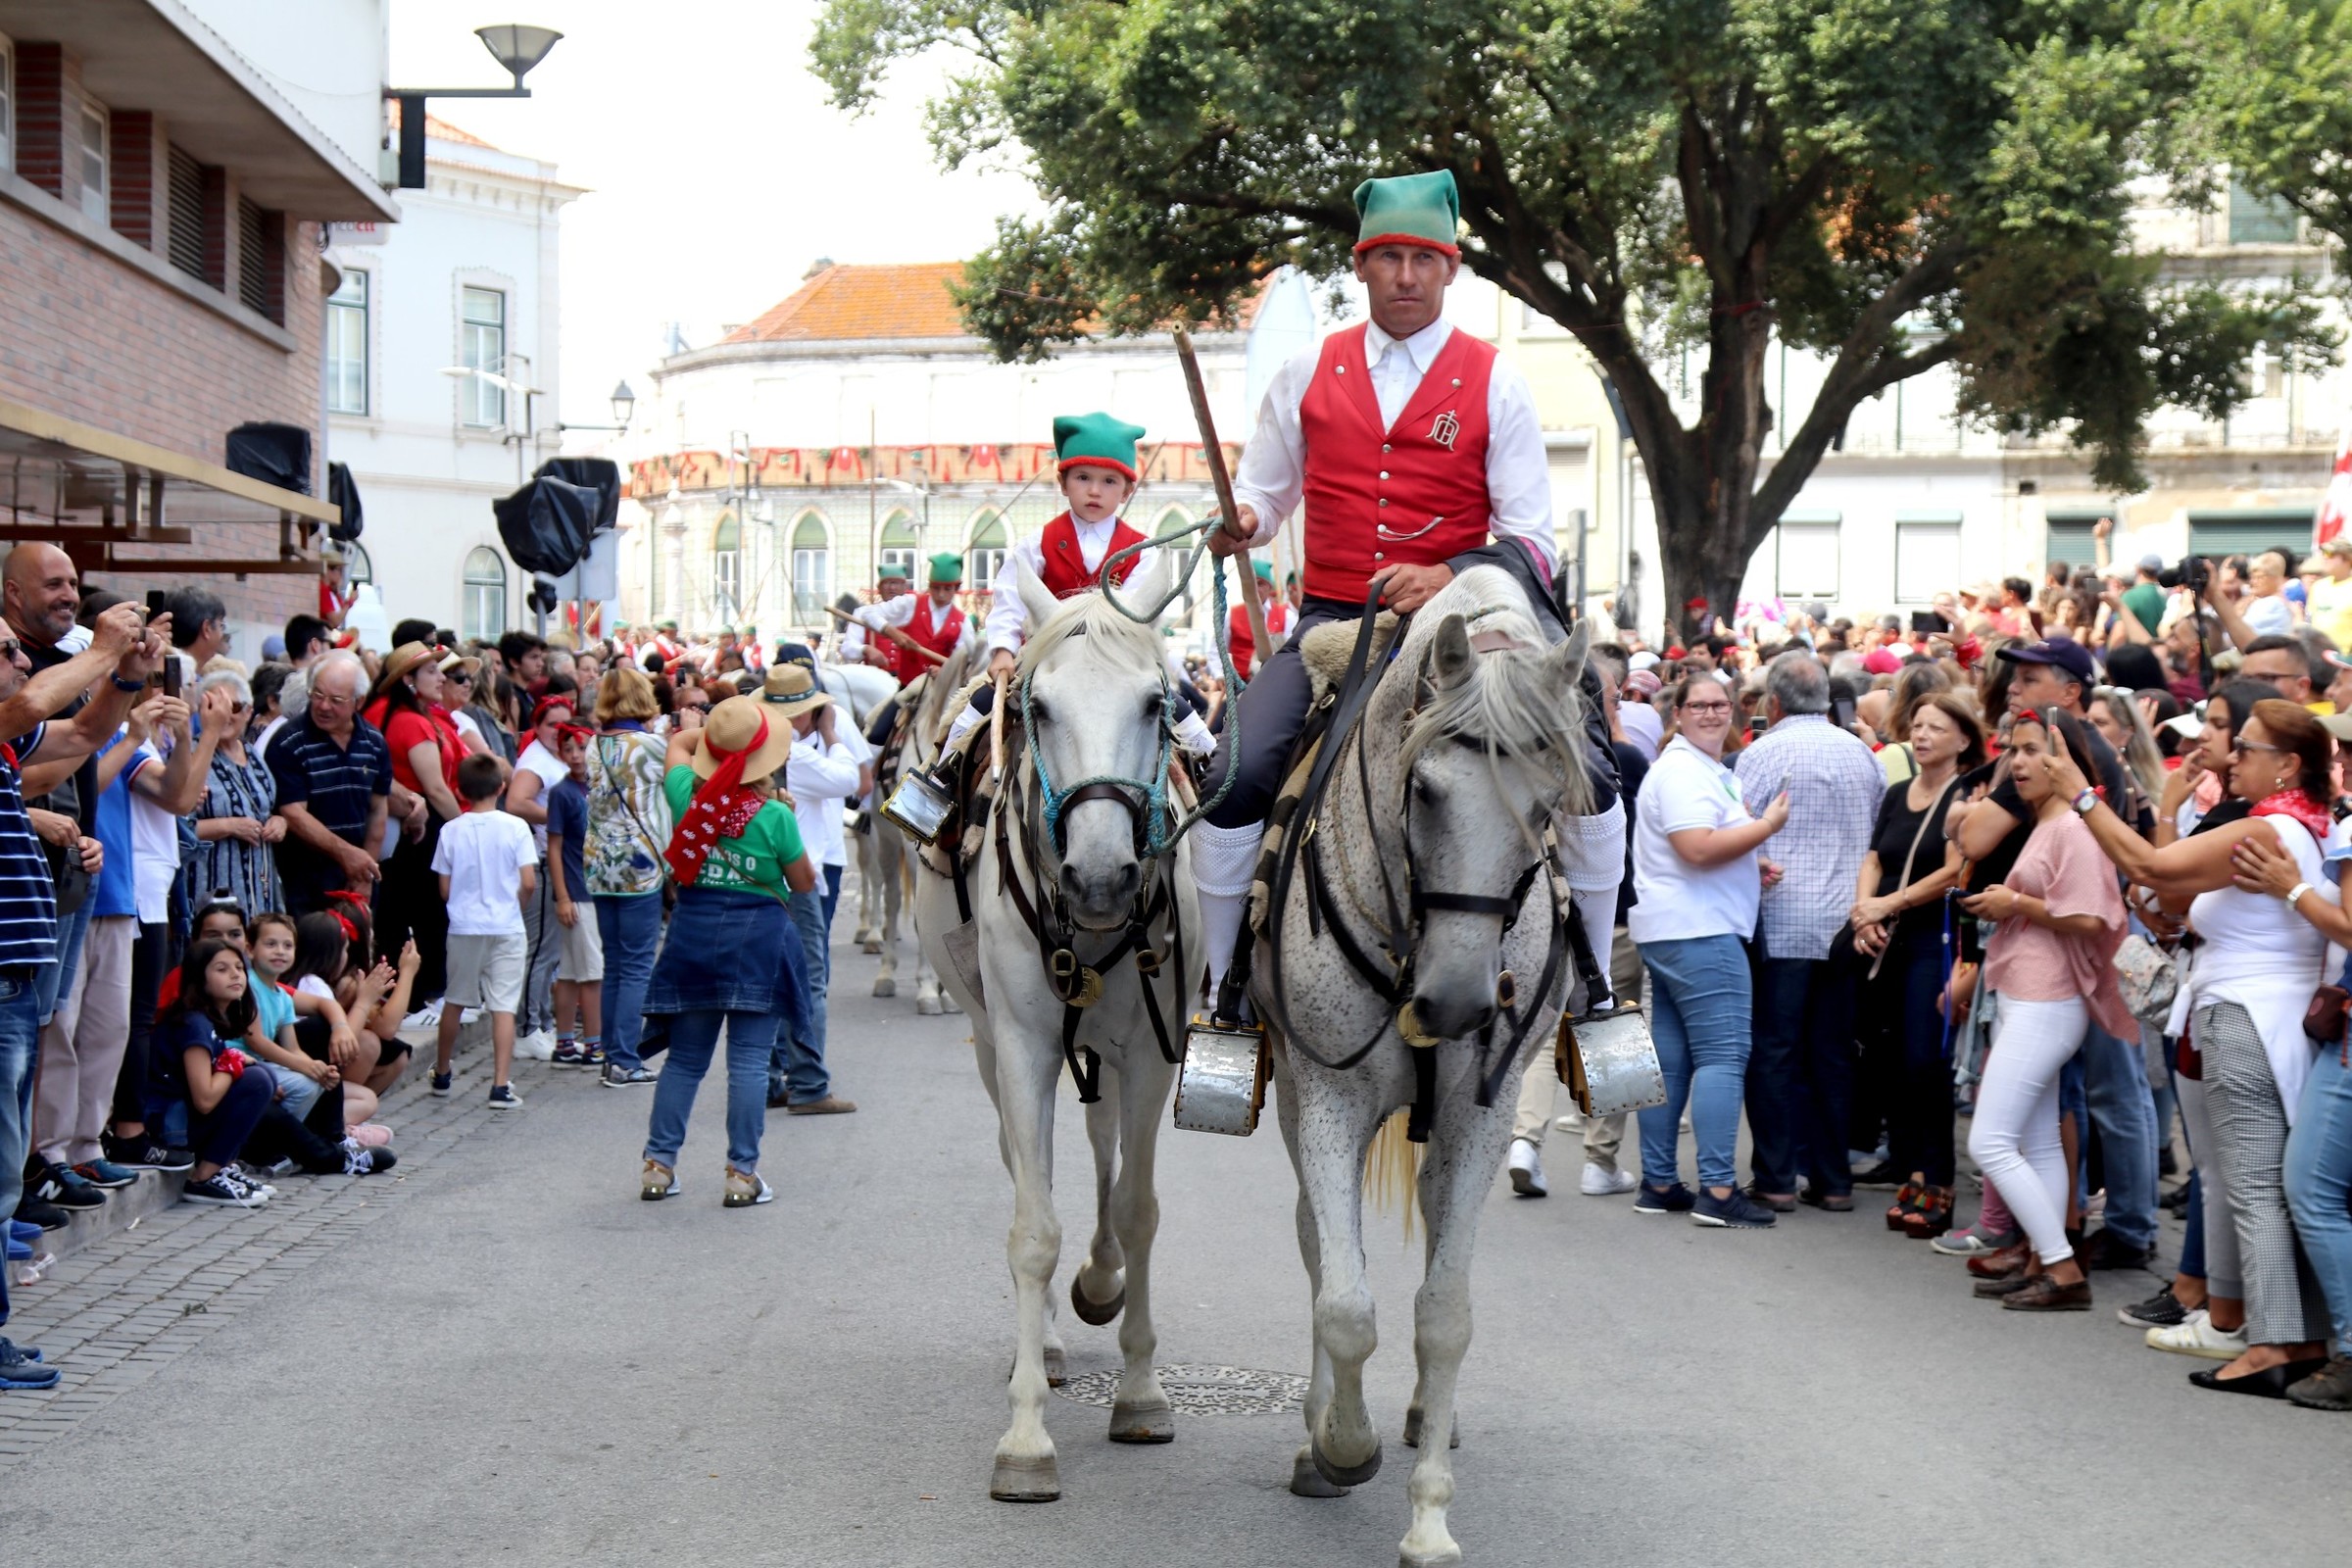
pixel 338 786
pixel 27 898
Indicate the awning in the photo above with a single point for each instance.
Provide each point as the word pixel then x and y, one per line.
pixel 118 505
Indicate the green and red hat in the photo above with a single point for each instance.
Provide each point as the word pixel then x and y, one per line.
pixel 1096 439
pixel 889 569
pixel 1410 210
pixel 947 567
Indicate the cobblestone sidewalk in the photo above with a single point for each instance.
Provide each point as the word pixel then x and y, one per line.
pixel 113 1314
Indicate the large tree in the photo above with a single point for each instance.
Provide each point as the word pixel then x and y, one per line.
pixel 1892 186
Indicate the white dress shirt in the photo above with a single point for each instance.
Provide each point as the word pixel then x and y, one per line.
pixel 1273 471
pixel 900 612
pixel 1008 617
pixel 819 777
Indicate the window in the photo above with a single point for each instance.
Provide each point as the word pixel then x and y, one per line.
pixel 1805 558
pixel 347 344
pixel 1170 522
pixel 812 569
pixel 2249 532
pixel 482 342
pixel 2069 539
pixel 261 259
pixel 485 594
pixel 2260 220
pixel 357 567
pixel 985 553
pixel 1927 558
pixel 898 545
pixel 186 247
pixel 8 105
pixel 726 570
pixel 94 205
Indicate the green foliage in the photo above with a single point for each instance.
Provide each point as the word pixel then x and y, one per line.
pixel 1893 184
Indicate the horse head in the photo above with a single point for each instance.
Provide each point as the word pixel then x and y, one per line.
pixel 1492 749
pixel 1093 685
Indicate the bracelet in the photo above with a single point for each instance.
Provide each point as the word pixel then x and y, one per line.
pixel 123 685
pixel 2297 892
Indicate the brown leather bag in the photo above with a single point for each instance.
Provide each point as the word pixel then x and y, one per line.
pixel 2323 1020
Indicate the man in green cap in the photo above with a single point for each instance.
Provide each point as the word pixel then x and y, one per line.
pixel 1412 446
pixel 934 620
pixel 856 648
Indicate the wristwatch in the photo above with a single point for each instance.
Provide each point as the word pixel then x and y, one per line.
pixel 2084 800
pixel 2297 892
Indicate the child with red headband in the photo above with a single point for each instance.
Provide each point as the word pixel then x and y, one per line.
pixel 487 864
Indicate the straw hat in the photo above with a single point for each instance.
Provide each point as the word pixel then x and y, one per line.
pixel 792 690
pixel 454 660
pixel 406 660
pixel 731 727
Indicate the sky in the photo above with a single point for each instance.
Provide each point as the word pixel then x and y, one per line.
pixel 718 169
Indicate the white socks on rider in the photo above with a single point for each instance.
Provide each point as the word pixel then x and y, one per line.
pixel 1224 859
pixel 1592 860
pixel 970 719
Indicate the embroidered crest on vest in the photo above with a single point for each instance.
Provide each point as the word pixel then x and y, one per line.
pixel 1444 429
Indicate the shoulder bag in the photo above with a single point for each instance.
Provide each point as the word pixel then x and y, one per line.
pixel 1910 856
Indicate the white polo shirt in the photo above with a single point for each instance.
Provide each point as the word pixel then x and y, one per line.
pixel 1685 788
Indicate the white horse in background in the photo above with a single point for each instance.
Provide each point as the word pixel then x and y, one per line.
pixel 861 691
pixel 894 859
pixel 1099 699
pixel 1470 746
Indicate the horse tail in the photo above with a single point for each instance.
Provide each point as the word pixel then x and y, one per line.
pixel 1393 1171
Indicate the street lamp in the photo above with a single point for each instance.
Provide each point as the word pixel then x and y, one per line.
pixel 516 46
pixel 624 404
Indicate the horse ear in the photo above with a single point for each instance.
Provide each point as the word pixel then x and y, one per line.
pixel 1449 654
pixel 1036 598
pixel 1153 580
pixel 1569 655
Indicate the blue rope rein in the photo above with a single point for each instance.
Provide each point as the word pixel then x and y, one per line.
pixel 1163 826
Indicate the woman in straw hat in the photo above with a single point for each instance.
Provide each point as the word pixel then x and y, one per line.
pixel 737 856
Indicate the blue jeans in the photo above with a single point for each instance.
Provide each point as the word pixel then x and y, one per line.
pixel 2115 1080
pixel 832 898
pixel 55 980
pixel 1700 1009
pixel 693 1041
pixel 798 1069
pixel 630 927
pixel 2319 1178
pixel 20 1051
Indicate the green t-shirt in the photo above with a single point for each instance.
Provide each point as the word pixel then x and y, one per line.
pixel 2146 600
pixel 752 863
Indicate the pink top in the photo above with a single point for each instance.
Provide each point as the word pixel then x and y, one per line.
pixel 2063 867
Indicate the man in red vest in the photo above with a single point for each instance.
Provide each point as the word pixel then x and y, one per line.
pixel 1238 639
pixel 1411 443
pixel 856 648
pixel 933 619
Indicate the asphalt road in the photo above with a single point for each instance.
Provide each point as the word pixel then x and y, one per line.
pixel 524 1363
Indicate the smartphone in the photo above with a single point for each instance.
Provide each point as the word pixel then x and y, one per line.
pixel 155 603
pixel 170 674
pixel 1928 623
pixel 1842 712
pixel 1758 726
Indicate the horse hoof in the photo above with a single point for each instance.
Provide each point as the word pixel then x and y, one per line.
pixel 947 1004
pixel 927 1007
pixel 1439 1558
pixel 862 937
pixel 873 944
pixel 1308 1482
pixel 1097 1313
pixel 1142 1423
pixel 1057 1367
pixel 1025 1481
pixel 1342 1475
pixel 1412 1431
pixel 885 986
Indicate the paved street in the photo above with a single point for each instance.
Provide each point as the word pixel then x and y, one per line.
pixel 504 1354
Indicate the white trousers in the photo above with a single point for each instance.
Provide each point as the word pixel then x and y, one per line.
pixel 2014 1138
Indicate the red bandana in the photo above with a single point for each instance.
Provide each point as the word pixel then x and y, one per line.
pixel 721 810
pixel 2299 805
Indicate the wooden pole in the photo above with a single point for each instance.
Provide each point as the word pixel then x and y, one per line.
pixel 891 632
pixel 996 726
pixel 1260 640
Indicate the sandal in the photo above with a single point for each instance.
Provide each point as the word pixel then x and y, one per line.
pixel 1931 1217
pixel 1905 1201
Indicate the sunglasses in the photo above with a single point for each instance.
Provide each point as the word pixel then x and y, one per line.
pixel 695 707
pixel 2238 748
pixel 461 677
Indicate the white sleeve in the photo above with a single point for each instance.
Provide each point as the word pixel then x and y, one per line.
pixel 1273 470
pixel 1008 617
pixel 1518 470
pixel 890 612
pixel 823 775
pixel 853 642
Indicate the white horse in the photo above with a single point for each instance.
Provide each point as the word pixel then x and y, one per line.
pixel 1469 747
pixel 894 859
pixel 1099 701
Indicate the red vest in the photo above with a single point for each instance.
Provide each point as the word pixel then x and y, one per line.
pixel 1065 571
pixel 937 632
pixel 1415 493
pixel 1237 641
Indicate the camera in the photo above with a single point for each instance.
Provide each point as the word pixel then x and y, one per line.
pixel 2191 572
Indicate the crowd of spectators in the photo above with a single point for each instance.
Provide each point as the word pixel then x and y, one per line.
pixel 237 898
pixel 2060 866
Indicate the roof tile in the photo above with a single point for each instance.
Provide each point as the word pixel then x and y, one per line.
pixel 845 302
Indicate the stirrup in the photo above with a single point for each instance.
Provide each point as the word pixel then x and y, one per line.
pixel 1221 1084
pixel 923 804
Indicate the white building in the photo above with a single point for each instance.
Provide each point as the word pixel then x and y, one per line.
pixel 857 422
pixel 467 282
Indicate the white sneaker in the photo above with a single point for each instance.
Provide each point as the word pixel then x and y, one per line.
pixel 424 1018
pixel 537 1046
pixel 2196 1335
pixel 1600 1182
pixel 1527 1169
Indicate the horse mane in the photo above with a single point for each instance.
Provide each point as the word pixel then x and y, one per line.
pixel 1101 623
pixel 1513 706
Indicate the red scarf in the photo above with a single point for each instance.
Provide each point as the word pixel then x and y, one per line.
pixel 721 810
pixel 2299 805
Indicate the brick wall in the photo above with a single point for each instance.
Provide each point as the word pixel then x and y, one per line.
pixel 85 335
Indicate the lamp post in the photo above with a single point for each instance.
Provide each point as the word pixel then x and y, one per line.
pixel 516 46
pixel 624 404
